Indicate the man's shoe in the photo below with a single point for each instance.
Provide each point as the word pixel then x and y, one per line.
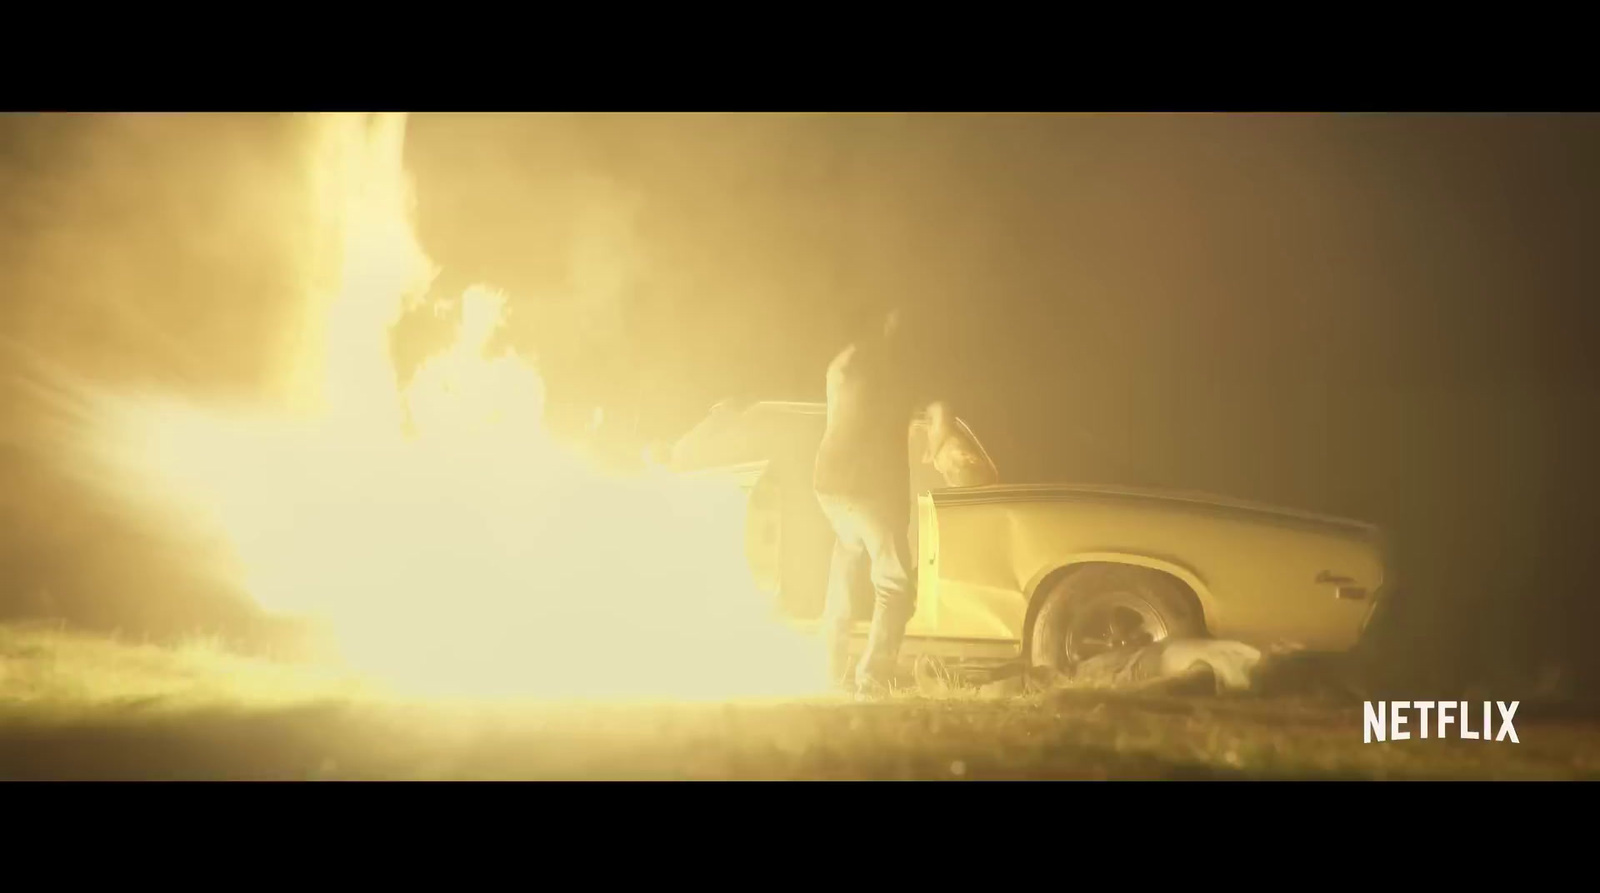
pixel 869 689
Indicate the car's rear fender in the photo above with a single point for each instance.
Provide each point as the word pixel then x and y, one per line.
pixel 1255 574
pixel 1050 575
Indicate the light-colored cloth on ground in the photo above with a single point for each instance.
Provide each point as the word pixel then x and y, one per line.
pixel 1231 663
pixel 1179 665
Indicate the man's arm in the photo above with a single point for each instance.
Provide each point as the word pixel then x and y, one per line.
pixel 953 452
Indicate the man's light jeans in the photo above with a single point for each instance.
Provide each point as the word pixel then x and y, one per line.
pixel 871 549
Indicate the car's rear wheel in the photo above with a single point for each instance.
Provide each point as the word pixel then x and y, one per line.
pixel 1103 607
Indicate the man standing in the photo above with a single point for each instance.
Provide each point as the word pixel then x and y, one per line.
pixel 863 482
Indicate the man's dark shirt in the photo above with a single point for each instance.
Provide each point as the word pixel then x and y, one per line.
pixel 871 396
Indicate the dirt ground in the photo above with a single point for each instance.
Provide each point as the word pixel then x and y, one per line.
pixel 80 707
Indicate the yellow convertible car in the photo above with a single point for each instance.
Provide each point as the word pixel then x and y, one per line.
pixel 1050 573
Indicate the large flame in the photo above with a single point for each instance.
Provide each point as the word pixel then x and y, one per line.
pixel 467 554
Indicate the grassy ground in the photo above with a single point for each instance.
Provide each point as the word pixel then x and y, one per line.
pixel 75 706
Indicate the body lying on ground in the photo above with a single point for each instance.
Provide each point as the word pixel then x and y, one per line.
pixel 1173 666
pixel 1232 664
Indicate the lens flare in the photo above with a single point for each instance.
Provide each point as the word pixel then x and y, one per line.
pixel 449 543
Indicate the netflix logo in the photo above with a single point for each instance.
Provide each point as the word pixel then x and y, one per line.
pixel 1403 720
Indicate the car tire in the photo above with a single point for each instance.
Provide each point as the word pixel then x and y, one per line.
pixel 1083 612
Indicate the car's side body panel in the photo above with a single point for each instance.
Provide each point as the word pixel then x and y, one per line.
pixel 1259 573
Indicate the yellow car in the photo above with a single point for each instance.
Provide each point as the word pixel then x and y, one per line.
pixel 1051 573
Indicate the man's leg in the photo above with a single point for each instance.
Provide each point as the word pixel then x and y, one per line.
pixel 894 584
pixel 847 574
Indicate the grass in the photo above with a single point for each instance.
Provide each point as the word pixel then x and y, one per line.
pixel 50 670
pixel 80 706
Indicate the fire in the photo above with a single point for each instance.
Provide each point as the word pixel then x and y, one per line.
pixel 451 545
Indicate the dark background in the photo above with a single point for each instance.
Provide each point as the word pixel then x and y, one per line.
pixel 1381 316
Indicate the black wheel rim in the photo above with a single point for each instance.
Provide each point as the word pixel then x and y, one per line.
pixel 1122 620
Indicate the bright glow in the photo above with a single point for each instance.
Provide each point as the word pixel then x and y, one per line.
pixel 470 555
